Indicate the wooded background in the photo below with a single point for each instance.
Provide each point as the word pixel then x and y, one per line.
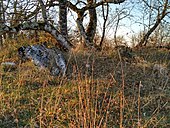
pixel 92 18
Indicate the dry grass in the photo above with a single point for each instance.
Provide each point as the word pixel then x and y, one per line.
pixel 102 89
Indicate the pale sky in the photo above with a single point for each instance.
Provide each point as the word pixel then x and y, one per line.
pixel 127 26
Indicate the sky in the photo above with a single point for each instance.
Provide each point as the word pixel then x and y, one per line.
pixel 127 26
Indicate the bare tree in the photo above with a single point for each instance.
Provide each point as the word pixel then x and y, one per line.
pixel 44 25
pixel 120 15
pixel 89 33
pixel 27 14
pixel 161 8
pixel 105 17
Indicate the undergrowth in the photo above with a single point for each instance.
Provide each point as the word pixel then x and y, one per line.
pixel 101 90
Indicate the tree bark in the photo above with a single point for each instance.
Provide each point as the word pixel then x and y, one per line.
pixel 114 1
pixel 91 29
pixel 39 26
pixel 63 18
pixel 2 21
pixel 1 13
pixel 105 17
pixel 83 32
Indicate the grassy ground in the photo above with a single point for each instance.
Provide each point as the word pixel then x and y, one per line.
pixel 102 89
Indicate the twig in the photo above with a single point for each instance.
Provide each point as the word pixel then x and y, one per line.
pixel 121 91
pixel 139 124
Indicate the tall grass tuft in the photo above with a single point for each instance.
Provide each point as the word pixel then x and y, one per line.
pixel 101 90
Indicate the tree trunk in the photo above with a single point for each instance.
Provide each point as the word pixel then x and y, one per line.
pixel 105 17
pixel 83 32
pixel 81 28
pixel 89 33
pixel 39 26
pixel 150 31
pixel 63 18
pixel 1 22
pixel 91 29
pixel 160 17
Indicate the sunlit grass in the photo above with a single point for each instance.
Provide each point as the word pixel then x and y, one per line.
pixel 90 96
